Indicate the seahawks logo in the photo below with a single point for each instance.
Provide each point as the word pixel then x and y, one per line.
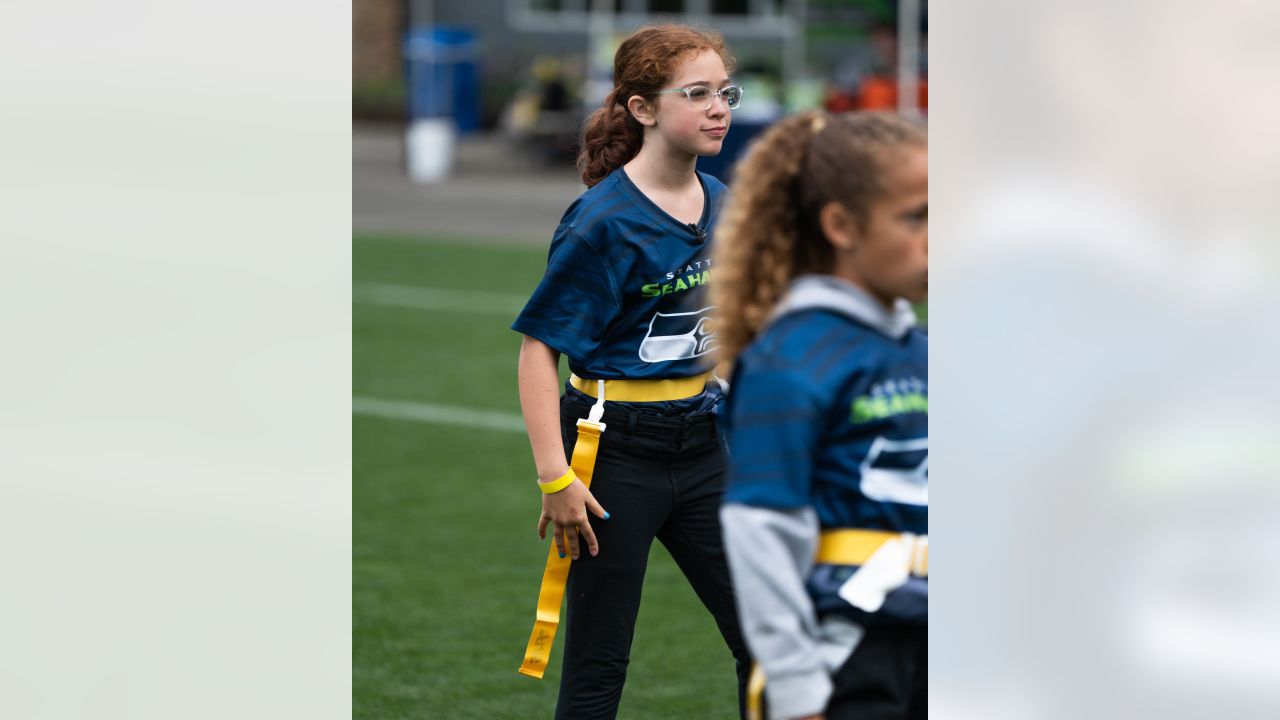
pixel 678 336
pixel 897 471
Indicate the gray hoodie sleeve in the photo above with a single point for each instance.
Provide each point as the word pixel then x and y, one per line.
pixel 770 553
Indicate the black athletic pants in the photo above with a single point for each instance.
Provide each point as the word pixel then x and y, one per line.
pixel 658 478
pixel 886 677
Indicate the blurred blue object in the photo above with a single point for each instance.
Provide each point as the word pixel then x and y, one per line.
pixel 741 133
pixel 440 64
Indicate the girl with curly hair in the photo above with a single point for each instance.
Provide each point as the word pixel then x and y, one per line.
pixel 823 246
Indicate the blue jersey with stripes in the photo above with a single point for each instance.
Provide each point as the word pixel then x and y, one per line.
pixel 828 409
pixel 625 290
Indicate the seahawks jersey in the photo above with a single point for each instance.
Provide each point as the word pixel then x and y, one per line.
pixel 828 409
pixel 625 290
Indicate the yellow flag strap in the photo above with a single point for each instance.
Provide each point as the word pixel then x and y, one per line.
pixel 856 546
pixel 644 390
pixel 556 573
pixel 755 693
pixel 852 546
pixel 583 465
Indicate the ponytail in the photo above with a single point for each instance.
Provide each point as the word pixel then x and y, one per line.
pixel 757 237
pixel 610 138
pixel 770 232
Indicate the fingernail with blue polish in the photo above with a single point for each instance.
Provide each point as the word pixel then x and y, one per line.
pixel 606 514
pixel 561 555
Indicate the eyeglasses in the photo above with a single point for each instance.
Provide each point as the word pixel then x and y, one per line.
pixel 701 98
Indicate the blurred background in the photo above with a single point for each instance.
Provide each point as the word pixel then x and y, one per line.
pixel 451 89
pixel 465 123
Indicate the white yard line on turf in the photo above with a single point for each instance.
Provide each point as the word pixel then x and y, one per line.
pixel 438 414
pixel 426 298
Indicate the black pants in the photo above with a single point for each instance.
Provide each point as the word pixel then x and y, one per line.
pixel 886 677
pixel 657 477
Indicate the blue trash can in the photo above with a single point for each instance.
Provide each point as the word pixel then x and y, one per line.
pixel 440 64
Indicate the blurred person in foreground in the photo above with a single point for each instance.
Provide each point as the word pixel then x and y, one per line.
pixel 823 248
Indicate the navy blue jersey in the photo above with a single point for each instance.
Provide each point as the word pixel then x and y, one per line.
pixel 625 290
pixel 828 409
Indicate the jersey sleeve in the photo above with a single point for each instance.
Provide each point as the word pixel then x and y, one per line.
pixel 775 419
pixel 770 552
pixel 575 302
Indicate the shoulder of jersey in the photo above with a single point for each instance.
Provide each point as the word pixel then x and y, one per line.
pixel 583 214
pixel 790 338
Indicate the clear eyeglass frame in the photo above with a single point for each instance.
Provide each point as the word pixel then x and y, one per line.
pixel 701 97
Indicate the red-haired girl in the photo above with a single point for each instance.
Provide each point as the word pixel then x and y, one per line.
pixel 625 298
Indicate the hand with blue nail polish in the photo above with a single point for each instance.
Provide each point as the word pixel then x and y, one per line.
pixel 566 511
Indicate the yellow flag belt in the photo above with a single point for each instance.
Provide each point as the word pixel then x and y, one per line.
pixel 852 546
pixel 583 464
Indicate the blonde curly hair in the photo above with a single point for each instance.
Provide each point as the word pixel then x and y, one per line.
pixel 769 232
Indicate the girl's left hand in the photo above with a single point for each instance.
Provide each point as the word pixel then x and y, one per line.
pixel 567 511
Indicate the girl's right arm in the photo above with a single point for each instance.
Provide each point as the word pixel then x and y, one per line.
pixel 566 510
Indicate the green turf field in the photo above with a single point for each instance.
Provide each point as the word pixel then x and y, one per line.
pixel 446 560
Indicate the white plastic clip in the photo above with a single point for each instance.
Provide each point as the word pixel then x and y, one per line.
pixel 724 384
pixel 597 410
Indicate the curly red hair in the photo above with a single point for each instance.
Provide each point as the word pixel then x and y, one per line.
pixel 645 61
